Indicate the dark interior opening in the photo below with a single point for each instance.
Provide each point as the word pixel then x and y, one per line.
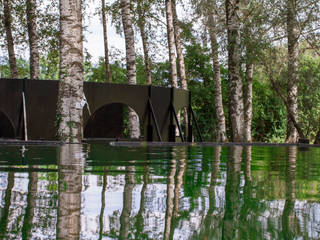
pixel 106 122
pixel 6 128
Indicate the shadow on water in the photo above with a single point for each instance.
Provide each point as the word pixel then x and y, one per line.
pixel 97 191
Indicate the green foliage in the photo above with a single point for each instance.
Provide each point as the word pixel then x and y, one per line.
pixel 309 94
pixel 269 114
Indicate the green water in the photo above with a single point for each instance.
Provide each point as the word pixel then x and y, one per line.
pixel 103 192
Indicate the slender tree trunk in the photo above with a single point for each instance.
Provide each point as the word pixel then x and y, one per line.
pixel 248 102
pixel 105 39
pixel 33 39
pixel 171 45
pixel 235 81
pixel 71 72
pixel 10 43
pixel 131 62
pixel 181 65
pixel 293 55
pixel 142 26
pixel 221 128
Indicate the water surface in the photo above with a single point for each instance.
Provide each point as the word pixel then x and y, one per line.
pixel 101 192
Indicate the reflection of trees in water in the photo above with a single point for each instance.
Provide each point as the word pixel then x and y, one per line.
pixel 139 223
pixel 289 220
pixel 70 187
pixel 169 201
pixel 211 227
pixel 181 165
pixel 5 210
pixel 103 202
pixel 171 198
pixel 31 203
pixel 232 194
pixel 127 202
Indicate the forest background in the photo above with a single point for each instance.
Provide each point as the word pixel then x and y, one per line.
pixel 278 45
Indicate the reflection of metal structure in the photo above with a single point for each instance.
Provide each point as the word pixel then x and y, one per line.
pixel 155 106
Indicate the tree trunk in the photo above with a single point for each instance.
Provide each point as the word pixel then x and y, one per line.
pixel 221 128
pixel 248 102
pixel 235 81
pixel 105 38
pixel 33 40
pixel 181 65
pixel 171 45
pixel 131 62
pixel 69 117
pixel 10 43
pixel 142 25
pixel 293 54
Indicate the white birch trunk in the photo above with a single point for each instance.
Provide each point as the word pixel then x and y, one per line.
pixel 9 38
pixel 131 63
pixel 293 55
pixel 105 40
pixel 235 81
pixel 33 39
pixel 171 45
pixel 69 117
pixel 181 65
pixel 142 25
pixel 221 127
pixel 248 103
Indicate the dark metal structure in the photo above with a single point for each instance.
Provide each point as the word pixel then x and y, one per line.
pixel 156 107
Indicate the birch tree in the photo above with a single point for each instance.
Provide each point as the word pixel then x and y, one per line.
pixel 33 39
pixel 144 38
pixel 235 81
pixel 211 23
pixel 69 118
pixel 9 38
pixel 105 41
pixel 178 44
pixel 171 45
pixel 131 62
pixel 293 55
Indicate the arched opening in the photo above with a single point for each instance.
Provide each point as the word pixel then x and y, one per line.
pixel 6 127
pixel 109 121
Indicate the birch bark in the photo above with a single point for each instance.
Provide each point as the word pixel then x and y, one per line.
pixel 248 102
pixel 33 39
pixel 171 45
pixel 105 40
pixel 293 54
pixel 144 38
pixel 69 117
pixel 221 128
pixel 235 81
pixel 131 62
pixel 181 65
pixel 9 38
